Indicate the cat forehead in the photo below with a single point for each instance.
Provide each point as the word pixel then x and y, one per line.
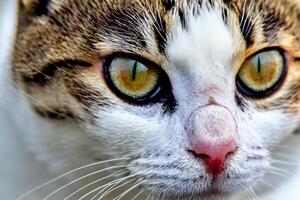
pixel 157 27
pixel 206 39
pixel 145 27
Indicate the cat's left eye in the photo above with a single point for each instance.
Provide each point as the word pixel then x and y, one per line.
pixel 132 79
pixel 262 74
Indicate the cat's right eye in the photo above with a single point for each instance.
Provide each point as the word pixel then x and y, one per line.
pixel 133 79
pixel 262 73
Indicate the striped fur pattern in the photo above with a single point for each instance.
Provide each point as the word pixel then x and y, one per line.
pixel 57 60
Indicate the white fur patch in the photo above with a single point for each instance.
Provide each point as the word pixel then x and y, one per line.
pixel 205 47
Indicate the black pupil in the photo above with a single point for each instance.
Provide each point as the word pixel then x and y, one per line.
pixel 258 65
pixel 134 71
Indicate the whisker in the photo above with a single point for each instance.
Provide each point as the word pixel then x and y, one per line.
pixel 68 173
pixel 163 196
pixel 150 193
pixel 20 91
pixel 247 15
pixel 284 155
pixel 253 193
pixel 275 161
pixel 266 184
pixel 159 196
pixel 107 187
pixel 249 194
pixel 127 191
pixel 138 194
pixel 242 22
pixel 104 187
pixel 117 181
pixel 254 22
pixel 85 176
pixel 277 174
pixel 98 193
pixel 278 171
pixel 114 189
pixel 282 146
pixel 118 173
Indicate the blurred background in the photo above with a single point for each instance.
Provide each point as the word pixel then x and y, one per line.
pixel 14 181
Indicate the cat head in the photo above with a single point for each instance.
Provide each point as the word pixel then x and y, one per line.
pixel 195 93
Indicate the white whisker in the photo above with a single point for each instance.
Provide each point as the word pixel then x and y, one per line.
pixel 114 189
pixel 150 193
pixel 275 161
pixel 127 191
pixel 254 22
pixel 159 196
pixel 163 196
pixel 104 187
pixel 68 173
pixel 78 179
pixel 282 171
pixel 249 195
pixel 138 194
pixel 120 172
pixel 253 193
pixel 286 156
pixel 266 184
pixel 243 19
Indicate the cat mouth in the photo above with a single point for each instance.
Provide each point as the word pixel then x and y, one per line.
pixel 213 190
pixel 211 194
pixel 221 188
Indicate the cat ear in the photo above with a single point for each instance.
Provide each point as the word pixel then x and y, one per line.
pixel 34 7
pixel 28 10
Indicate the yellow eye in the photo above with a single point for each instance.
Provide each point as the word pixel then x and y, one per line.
pixel 132 79
pixel 262 74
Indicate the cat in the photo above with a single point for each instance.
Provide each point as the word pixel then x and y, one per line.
pixel 150 99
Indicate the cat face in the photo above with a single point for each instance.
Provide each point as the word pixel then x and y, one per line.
pixel 194 93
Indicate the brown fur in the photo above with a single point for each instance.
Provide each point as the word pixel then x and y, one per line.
pixel 73 35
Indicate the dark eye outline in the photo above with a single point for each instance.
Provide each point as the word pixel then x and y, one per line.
pixel 248 92
pixel 160 93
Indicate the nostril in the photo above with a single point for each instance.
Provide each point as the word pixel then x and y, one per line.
pixel 199 156
pixel 230 154
pixel 213 155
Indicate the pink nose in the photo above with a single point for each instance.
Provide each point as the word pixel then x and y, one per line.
pixel 212 131
pixel 214 155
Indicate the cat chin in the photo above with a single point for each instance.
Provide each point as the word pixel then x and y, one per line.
pixel 212 195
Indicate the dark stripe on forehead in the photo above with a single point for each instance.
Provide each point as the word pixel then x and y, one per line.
pixel 36 8
pixel 182 18
pixel 124 24
pixel 210 2
pixel 169 4
pixel 42 7
pixel 225 15
pixel 272 23
pixel 48 72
